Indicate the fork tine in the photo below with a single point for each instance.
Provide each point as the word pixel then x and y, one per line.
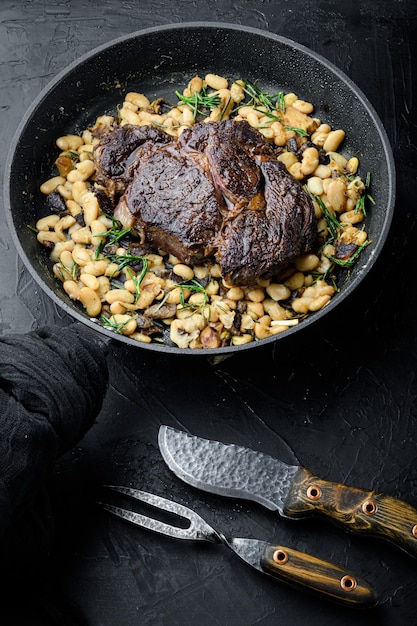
pixel 198 528
pixel 147 522
pixel 157 501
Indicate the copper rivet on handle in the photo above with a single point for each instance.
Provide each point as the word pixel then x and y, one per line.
pixel 414 530
pixel 280 556
pixel 313 492
pixel 369 507
pixel 348 583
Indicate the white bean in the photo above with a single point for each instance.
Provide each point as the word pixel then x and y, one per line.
pixel 277 291
pixel 310 161
pixel 336 194
pixel 183 271
pixel 307 262
pixel 119 295
pixel 69 142
pixel 50 185
pixel 138 99
pixel 90 281
pixel 303 106
pixel 315 185
pixel 48 222
pixel 216 82
pixel 333 140
pixel 82 172
pixel 72 289
pixel 90 300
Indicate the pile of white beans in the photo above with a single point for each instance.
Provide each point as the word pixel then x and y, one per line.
pixel 206 318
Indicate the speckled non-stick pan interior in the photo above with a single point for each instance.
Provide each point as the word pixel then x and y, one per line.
pixel 156 62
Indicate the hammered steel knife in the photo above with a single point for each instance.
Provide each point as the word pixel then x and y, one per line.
pixel 292 490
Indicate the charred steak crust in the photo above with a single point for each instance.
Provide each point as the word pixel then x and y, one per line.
pixel 231 149
pixel 174 203
pixel 218 190
pixel 116 151
pixel 261 242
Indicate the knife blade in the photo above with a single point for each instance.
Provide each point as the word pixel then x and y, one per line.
pixel 292 490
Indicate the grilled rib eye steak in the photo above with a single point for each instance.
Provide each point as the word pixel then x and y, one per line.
pixel 217 191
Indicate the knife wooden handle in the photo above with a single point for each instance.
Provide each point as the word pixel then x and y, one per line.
pixel 320 577
pixel 358 510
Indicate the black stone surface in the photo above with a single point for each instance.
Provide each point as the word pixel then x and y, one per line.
pixel 340 398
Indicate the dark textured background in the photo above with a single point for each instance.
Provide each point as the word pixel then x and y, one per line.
pixel 341 397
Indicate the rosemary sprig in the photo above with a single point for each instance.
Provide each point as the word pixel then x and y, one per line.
pixel 352 259
pixel 163 126
pixel 110 322
pixel 113 235
pixel 116 232
pixel 257 97
pixel 124 260
pixel 274 105
pixel 162 302
pixel 200 101
pixel 225 107
pixel 274 118
pixel 193 285
pixel 333 223
pixel 137 280
pixel 280 102
pixel 73 271
pixel 278 118
pixel 299 131
pixel 75 156
pixel 360 205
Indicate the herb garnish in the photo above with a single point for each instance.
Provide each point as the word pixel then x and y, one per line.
pixel 360 205
pixel 110 322
pixel 194 285
pixel 74 156
pixel 335 227
pixel 124 260
pixel 200 101
pixel 351 260
pixel 274 105
pixel 333 223
pixel 257 97
pixel 137 280
pixel 299 131
pixel 163 126
pixel 113 235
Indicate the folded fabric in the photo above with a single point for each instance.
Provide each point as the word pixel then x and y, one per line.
pixel 52 384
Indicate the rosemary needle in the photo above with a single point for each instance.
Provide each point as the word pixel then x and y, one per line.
pixel 200 100
pixel 137 280
pixel 110 322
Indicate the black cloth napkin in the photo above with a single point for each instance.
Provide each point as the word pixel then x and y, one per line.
pixel 52 385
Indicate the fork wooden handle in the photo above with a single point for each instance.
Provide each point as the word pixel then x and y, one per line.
pixel 318 576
